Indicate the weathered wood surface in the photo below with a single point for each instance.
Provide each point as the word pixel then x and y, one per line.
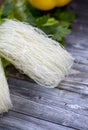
pixel 62 108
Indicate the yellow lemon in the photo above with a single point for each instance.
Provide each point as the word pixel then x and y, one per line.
pixel 43 4
pixel 48 4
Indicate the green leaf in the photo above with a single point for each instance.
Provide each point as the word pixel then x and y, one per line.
pixel 67 15
pixel 7 8
pixel 5 63
pixel 41 21
pixel 51 21
pixel 61 32
pixel 49 30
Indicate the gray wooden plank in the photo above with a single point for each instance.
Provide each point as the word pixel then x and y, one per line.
pixel 79 5
pixel 82 69
pixel 48 113
pixel 56 98
pixel 18 121
pixel 81 9
pixel 3 127
pixel 78 41
pixel 81 58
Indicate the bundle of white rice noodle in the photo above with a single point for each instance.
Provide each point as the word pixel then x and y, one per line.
pixel 34 53
pixel 5 101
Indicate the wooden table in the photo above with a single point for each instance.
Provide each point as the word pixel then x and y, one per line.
pixel 62 108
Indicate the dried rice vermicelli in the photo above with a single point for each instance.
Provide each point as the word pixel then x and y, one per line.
pixel 5 101
pixel 33 52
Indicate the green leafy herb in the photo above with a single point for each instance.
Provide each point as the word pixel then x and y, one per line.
pixel 55 23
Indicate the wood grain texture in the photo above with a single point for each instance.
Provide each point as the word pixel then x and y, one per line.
pixel 23 122
pixel 57 106
pixel 62 108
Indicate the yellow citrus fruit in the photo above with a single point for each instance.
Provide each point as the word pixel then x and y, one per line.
pixel 48 4
pixel 43 4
